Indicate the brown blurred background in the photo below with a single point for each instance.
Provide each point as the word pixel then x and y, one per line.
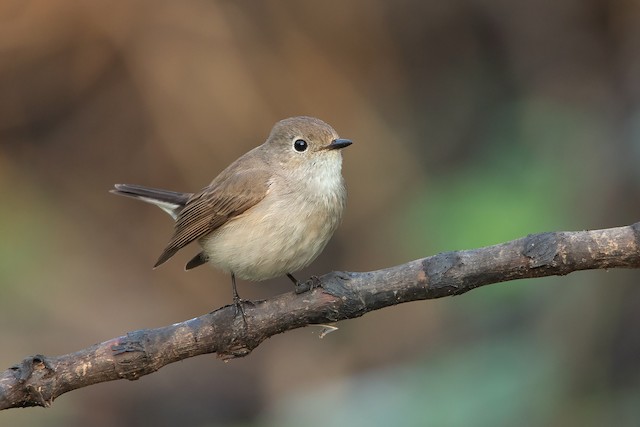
pixel 474 122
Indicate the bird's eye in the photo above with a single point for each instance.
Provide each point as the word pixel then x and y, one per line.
pixel 300 145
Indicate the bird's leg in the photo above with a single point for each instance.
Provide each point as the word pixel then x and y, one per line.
pixel 302 287
pixel 293 279
pixel 299 286
pixel 237 301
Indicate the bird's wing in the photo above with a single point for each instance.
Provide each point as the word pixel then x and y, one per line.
pixel 215 205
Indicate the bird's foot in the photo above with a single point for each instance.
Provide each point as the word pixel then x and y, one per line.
pixel 238 305
pixel 312 283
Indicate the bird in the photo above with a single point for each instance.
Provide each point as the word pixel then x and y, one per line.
pixel 269 214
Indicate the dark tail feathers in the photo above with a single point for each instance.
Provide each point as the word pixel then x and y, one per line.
pixel 137 191
pixel 171 202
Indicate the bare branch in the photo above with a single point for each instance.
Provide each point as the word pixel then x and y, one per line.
pixel 38 380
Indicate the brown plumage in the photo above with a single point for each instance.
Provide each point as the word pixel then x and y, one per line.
pixel 269 213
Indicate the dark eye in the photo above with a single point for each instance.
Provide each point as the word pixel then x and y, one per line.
pixel 300 145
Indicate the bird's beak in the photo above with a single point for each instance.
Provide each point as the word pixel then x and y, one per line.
pixel 338 143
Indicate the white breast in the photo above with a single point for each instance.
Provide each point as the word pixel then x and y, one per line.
pixel 284 232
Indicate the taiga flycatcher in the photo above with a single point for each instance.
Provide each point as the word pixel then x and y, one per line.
pixel 269 213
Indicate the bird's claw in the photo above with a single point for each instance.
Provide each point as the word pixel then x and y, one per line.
pixel 312 283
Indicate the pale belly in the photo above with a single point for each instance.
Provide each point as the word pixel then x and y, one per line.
pixel 260 245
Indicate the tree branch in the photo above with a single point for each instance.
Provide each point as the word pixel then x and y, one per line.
pixel 38 380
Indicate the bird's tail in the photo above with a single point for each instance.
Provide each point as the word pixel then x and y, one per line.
pixel 172 202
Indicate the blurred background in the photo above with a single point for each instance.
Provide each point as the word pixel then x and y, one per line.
pixel 475 122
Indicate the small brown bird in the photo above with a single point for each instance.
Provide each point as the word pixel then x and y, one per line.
pixel 269 213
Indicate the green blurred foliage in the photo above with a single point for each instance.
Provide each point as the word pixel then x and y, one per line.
pixel 493 383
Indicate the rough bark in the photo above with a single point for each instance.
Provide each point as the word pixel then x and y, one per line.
pixel 38 380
